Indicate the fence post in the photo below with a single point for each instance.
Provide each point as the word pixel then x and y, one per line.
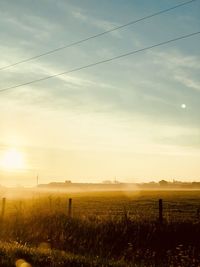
pixel 3 207
pixel 70 208
pixel 198 213
pixel 160 211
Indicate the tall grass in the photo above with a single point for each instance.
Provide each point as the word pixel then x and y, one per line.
pixel 112 240
pixel 11 253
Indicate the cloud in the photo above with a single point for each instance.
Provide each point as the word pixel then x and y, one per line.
pixel 180 68
pixel 188 82
pixel 101 24
pixel 176 59
pixel 148 86
pixel 36 27
pixel 151 98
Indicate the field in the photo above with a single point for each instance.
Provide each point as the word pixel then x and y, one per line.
pixel 105 229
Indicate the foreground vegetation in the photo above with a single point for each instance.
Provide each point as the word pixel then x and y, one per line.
pixel 40 231
pixel 15 254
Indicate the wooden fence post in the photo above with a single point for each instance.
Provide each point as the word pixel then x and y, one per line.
pixel 198 213
pixel 160 211
pixel 3 207
pixel 70 208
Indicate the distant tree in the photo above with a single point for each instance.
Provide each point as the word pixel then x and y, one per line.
pixel 163 183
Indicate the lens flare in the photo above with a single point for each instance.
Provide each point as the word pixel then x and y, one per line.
pixel 22 263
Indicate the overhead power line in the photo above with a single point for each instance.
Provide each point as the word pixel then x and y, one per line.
pixel 96 35
pixel 102 61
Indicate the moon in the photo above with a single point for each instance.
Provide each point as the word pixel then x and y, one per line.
pixel 12 160
pixel 183 106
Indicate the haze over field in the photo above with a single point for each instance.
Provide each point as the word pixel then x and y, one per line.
pixel 136 118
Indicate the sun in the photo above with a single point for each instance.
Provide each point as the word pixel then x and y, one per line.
pixel 12 160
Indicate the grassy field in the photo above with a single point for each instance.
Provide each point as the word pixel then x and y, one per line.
pixel 107 229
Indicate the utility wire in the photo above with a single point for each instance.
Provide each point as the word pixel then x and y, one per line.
pixel 102 61
pixel 96 35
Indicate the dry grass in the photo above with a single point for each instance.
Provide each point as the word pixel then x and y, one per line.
pixel 120 228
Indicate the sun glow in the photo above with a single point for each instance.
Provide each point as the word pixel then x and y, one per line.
pixel 12 160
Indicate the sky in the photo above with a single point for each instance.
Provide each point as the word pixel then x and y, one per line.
pixel 135 119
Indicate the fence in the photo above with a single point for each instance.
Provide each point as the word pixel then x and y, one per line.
pixel 160 212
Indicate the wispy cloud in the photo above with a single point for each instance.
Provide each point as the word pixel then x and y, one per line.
pixel 175 59
pixel 188 81
pixel 101 24
pixel 123 105
pixel 179 67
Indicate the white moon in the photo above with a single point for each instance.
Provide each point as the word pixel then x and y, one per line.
pixel 183 106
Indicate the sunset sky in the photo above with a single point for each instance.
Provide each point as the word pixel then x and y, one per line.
pixel 136 118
